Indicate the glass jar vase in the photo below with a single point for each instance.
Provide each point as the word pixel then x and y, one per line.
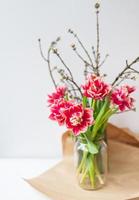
pixel 91 169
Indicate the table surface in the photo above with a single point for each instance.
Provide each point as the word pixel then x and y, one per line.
pixel 13 172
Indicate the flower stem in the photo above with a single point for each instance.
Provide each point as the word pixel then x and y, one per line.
pixel 84 175
pixel 79 169
pixel 92 171
pixel 93 103
pixel 97 172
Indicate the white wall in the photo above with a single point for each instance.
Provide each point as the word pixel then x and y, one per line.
pixel 25 130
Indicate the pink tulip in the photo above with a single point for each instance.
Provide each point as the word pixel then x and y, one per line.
pixel 78 119
pixel 121 97
pixel 95 88
pixel 57 111
pixel 56 96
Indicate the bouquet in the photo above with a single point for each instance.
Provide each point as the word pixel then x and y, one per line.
pixel 86 108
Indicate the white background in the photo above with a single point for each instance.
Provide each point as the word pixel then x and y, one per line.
pixel 25 130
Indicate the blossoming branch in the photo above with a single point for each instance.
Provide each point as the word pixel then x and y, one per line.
pixel 92 63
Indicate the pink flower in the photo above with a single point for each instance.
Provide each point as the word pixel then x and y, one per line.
pixel 95 88
pixel 78 118
pixel 121 97
pixel 57 111
pixel 56 96
pixel 129 89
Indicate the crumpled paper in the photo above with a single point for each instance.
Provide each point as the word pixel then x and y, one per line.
pixel 59 183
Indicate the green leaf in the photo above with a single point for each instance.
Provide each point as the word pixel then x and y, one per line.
pixel 99 117
pixel 84 101
pixel 92 148
pixel 93 104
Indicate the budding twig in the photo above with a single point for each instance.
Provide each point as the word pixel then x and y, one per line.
pixel 55 51
pixel 83 47
pixel 127 67
pixel 47 60
pixel 103 60
pixel 97 27
pixel 79 56
pixel 76 85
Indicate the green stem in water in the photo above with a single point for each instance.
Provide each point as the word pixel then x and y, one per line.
pixel 92 171
pixel 89 170
pixel 97 172
pixel 84 175
pixel 79 169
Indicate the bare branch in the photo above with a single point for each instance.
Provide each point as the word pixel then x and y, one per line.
pixel 67 80
pixel 79 56
pixel 47 60
pixel 72 88
pixel 127 67
pixel 83 47
pixel 41 52
pixel 94 52
pixel 97 27
pixel 104 60
pixel 71 79
pixel 87 64
pixel 55 51
pixel 76 85
pixel 134 70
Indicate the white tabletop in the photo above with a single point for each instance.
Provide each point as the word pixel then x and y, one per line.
pixel 12 172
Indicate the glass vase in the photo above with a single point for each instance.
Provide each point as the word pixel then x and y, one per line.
pixel 91 169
